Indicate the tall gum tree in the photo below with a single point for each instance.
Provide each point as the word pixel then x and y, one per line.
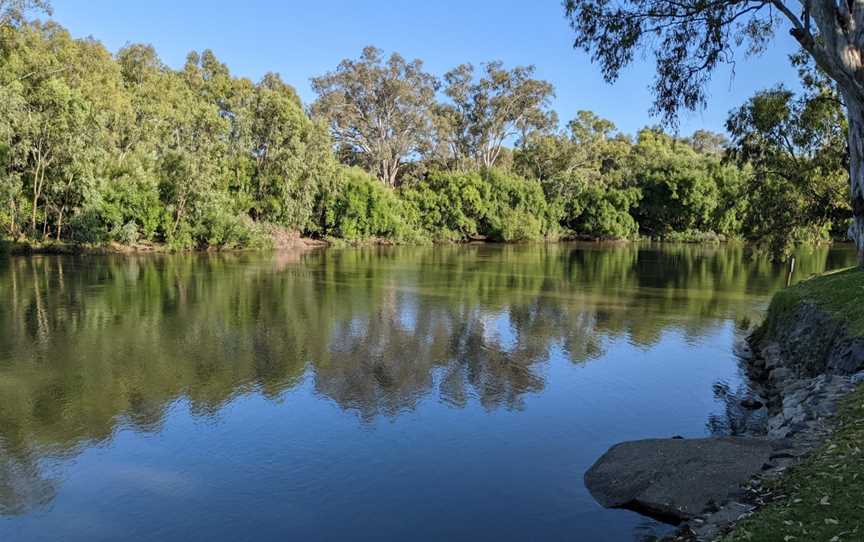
pixel 488 110
pixel 380 109
pixel 691 38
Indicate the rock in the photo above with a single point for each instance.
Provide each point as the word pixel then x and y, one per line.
pixel 742 349
pixel 751 404
pixel 675 479
pixel 810 341
pixel 847 357
pixel 779 375
pixel 857 378
pixel 796 428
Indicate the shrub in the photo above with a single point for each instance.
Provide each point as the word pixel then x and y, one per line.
pixel 360 207
pixel 493 204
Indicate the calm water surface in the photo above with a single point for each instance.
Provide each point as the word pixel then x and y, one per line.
pixel 452 393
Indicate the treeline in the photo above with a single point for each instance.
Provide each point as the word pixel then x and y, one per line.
pixel 98 147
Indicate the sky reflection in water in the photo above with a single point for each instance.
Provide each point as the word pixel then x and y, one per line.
pixel 363 394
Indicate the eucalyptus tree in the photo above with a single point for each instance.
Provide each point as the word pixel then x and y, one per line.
pixel 485 112
pixel 290 154
pixel 586 150
pixel 795 146
pixel 584 173
pixel 708 142
pixel 690 39
pixel 14 12
pixel 191 165
pixel 378 108
pixel 46 78
pixel 10 177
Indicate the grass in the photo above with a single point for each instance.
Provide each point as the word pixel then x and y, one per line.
pixel 840 293
pixel 823 496
pixel 822 499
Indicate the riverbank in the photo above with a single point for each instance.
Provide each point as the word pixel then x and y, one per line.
pixel 292 240
pixel 814 332
pixel 277 241
pixel 821 498
pixel 280 242
pixel 795 425
pixel 806 362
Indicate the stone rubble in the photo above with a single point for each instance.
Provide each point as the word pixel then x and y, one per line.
pixel 797 377
pixel 800 412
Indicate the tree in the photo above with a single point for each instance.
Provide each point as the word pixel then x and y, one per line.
pixel 584 173
pixel 378 109
pixel 691 38
pixel 679 190
pixel 14 12
pixel 796 149
pixel 290 154
pixel 484 113
pixel 54 131
pixel 708 142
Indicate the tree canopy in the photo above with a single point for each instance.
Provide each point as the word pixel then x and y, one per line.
pixel 483 114
pixel 689 39
pixel 100 148
pixel 378 109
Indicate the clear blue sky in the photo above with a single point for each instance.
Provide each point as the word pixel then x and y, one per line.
pixel 301 39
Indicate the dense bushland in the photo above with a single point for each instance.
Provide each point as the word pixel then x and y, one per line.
pixel 98 147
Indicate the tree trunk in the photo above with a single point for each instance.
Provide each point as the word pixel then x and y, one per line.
pixel 13 226
pixel 856 173
pixel 45 225
pixel 389 172
pixel 37 188
pixel 394 174
pixel 60 222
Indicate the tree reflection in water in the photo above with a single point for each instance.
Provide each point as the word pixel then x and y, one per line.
pixel 89 343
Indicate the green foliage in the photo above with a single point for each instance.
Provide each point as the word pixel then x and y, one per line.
pixel 98 148
pixel 795 147
pixel 583 172
pixel 362 208
pixel 95 148
pixel 606 213
pixel 681 187
pixel 821 498
pixel 489 204
pixel 517 210
pixel 450 206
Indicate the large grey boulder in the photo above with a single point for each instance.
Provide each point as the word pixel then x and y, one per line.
pixel 676 479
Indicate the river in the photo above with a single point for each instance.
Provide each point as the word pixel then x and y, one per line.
pixel 453 392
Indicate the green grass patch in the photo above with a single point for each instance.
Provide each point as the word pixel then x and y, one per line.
pixel 840 294
pixel 824 496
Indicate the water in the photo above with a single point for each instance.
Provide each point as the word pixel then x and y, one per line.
pixel 358 394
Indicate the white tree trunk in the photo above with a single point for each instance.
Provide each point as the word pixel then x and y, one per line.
pixel 389 172
pixel 856 173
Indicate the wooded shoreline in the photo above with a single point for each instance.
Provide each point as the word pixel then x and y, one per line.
pixel 22 248
pixel 105 149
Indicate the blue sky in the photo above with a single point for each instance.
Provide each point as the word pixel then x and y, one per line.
pixel 303 39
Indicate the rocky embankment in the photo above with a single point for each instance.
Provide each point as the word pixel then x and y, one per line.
pixel 801 362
